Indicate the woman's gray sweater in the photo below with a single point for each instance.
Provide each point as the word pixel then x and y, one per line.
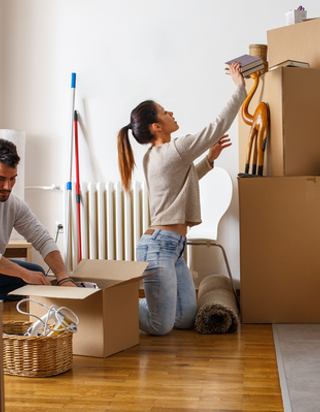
pixel 171 176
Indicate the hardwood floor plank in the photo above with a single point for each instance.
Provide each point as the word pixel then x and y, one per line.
pixel 262 403
pixel 183 371
pixel 211 409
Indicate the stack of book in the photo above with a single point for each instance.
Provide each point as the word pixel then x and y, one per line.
pixel 249 64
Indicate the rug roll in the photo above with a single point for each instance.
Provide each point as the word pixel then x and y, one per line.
pixel 217 306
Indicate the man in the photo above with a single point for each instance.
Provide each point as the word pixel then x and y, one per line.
pixel 15 213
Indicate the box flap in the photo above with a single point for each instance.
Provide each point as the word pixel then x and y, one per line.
pixel 117 271
pixel 60 292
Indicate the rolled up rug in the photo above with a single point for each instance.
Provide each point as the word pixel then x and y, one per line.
pixel 217 306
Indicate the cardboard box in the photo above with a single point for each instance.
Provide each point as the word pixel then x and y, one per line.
pixel 109 316
pixel 293 147
pixel 279 249
pixel 295 42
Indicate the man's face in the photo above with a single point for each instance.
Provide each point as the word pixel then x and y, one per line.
pixel 8 177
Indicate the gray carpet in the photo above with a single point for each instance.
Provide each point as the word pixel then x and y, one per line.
pixel 298 357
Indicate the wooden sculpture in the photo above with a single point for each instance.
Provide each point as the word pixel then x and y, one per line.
pixel 259 128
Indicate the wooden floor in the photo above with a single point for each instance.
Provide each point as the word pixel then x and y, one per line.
pixel 183 371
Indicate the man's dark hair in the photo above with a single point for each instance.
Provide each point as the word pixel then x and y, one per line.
pixel 8 153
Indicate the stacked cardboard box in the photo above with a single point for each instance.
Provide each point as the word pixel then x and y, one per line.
pixel 293 147
pixel 279 213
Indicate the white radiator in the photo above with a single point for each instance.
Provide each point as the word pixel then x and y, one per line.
pixel 112 222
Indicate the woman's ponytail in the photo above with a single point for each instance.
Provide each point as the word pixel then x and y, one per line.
pixel 125 157
pixel 142 117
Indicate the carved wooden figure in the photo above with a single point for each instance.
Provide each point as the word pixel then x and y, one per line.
pixel 259 128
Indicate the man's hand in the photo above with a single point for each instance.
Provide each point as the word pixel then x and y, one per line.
pixel 216 149
pixel 55 262
pixel 35 278
pixel 70 284
pixel 29 276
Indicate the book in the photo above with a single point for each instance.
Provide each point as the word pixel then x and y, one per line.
pixel 249 71
pixel 290 63
pixel 253 70
pixel 246 61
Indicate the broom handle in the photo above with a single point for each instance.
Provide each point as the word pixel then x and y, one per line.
pixel 77 181
pixel 69 183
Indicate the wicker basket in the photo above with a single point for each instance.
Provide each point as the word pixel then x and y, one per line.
pixel 260 50
pixel 32 356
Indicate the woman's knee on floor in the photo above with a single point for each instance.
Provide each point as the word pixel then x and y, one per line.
pixel 161 329
pixel 186 320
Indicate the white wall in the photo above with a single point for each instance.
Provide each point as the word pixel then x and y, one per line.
pixel 124 51
pixel 1 60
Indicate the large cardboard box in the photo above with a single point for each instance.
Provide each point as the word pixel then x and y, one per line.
pixel 279 249
pixel 293 147
pixel 109 316
pixel 295 42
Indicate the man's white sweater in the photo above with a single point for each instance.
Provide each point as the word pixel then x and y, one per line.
pixel 15 213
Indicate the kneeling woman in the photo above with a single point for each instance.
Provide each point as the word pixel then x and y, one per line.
pixel 173 185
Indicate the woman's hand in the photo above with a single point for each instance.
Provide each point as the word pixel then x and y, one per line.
pixel 216 149
pixel 236 74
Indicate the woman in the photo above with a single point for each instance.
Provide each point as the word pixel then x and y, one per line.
pixel 172 181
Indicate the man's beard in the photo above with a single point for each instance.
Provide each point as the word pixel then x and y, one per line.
pixel 4 195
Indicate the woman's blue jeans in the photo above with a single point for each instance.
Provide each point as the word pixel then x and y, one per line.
pixel 10 283
pixel 170 293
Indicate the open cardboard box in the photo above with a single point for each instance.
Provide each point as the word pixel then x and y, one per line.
pixel 109 316
pixel 293 148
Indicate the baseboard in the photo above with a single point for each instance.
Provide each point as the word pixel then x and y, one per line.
pixel 143 295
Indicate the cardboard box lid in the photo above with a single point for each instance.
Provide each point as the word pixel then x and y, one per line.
pixel 54 292
pixel 293 148
pixel 117 271
pixel 110 272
